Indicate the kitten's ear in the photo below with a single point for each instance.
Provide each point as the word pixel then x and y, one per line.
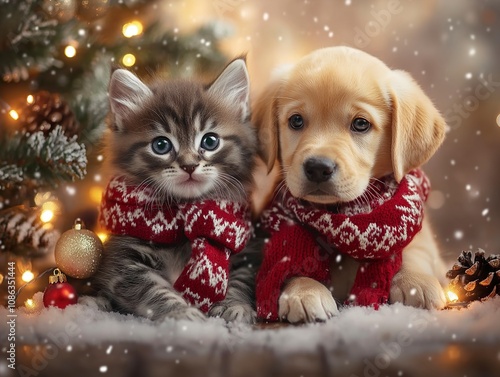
pixel 126 93
pixel 233 85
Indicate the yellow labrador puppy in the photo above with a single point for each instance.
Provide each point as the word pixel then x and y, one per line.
pixel 333 122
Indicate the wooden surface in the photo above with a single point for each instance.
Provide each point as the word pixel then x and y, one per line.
pixel 134 360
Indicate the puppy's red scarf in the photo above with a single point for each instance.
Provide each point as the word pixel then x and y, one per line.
pixel 373 229
pixel 215 228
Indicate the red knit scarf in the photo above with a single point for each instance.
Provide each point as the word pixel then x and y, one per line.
pixel 215 228
pixel 373 229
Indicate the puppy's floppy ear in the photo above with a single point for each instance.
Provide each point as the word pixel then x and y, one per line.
pixel 417 127
pixel 265 118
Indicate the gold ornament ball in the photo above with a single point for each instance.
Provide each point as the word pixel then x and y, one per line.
pixel 91 10
pixel 62 10
pixel 78 252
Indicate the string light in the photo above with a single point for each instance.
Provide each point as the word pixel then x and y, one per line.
pixel 132 29
pixel 27 276
pixel 13 114
pixel 128 60
pixel 30 99
pixel 70 51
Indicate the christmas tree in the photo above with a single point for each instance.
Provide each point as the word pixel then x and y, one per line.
pixel 56 57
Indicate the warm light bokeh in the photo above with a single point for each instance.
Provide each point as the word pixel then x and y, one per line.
pixel 27 276
pixel 132 29
pixel 70 51
pixel 452 296
pixel 128 60
pixel 13 114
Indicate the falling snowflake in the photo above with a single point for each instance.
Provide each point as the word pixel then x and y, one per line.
pixel 459 234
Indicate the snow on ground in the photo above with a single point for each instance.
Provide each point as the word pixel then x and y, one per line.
pixel 356 331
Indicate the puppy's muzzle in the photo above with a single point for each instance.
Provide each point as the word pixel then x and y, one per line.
pixel 319 169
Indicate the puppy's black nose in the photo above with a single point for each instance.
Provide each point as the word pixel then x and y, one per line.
pixel 319 169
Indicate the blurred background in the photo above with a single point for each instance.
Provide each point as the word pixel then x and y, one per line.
pixel 60 53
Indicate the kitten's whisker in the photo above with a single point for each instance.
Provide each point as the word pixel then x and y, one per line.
pixel 236 194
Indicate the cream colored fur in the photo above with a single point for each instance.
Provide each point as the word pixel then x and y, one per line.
pixel 330 88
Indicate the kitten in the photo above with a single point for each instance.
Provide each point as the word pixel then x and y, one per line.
pixel 185 142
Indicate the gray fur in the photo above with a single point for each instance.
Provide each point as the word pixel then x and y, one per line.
pixel 137 276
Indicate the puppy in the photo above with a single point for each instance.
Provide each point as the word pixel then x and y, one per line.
pixel 334 122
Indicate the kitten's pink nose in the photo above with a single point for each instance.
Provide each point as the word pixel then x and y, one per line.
pixel 189 168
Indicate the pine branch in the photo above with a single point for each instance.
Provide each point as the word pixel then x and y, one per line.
pixel 15 67
pixel 90 100
pixel 22 232
pixel 28 39
pixel 60 157
pixel 11 173
pixel 34 29
pixel 45 161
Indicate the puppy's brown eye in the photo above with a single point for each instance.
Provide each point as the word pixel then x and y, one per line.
pixel 360 125
pixel 296 122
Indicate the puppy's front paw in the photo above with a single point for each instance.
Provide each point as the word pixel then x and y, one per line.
pixel 243 313
pixel 306 300
pixel 417 289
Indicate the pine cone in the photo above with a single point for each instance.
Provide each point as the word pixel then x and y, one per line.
pixel 23 233
pixel 45 112
pixel 475 278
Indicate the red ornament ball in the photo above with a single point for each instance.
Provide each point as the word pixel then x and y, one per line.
pixel 60 295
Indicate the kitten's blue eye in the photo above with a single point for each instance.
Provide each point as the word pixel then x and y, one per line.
pixel 210 142
pixel 161 145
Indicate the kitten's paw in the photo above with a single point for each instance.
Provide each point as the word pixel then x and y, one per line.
pixel 99 302
pixel 417 289
pixel 243 313
pixel 190 313
pixel 306 300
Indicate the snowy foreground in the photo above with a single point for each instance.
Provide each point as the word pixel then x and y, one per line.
pixel 358 335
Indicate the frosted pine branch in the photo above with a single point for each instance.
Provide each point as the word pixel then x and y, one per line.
pixel 10 173
pixel 34 27
pixel 56 153
pixel 41 161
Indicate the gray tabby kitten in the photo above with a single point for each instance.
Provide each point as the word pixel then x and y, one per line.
pixel 210 139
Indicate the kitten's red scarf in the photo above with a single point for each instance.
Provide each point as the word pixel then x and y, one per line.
pixel 215 228
pixel 373 232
